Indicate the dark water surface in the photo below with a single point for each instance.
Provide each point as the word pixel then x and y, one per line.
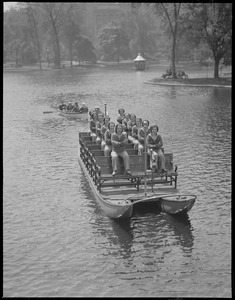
pixel 56 239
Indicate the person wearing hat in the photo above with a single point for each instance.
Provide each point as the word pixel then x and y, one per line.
pixel 154 144
pixel 118 140
pixel 70 106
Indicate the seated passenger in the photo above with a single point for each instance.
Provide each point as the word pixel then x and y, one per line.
pixel 134 136
pixel 99 124
pixel 93 122
pixel 141 134
pixel 119 120
pixel 70 106
pixel 76 107
pixel 107 138
pixel 62 106
pixel 128 128
pixel 126 119
pixel 103 130
pixel 154 144
pixel 98 111
pixel 121 112
pixel 118 140
pixel 83 108
pixel 133 119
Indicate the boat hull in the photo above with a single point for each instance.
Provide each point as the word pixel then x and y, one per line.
pixel 74 115
pixel 113 209
pixel 176 204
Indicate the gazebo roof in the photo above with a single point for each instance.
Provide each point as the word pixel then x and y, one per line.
pixel 139 58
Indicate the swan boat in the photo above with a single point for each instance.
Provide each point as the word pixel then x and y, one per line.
pixel 118 196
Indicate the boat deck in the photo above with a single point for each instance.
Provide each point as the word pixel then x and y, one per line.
pixel 119 193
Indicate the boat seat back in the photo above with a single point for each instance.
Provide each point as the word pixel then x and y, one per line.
pixel 86 138
pixel 83 134
pixel 105 164
pixel 168 162
pixel 136 164
pixel 92 145
pixel 101 152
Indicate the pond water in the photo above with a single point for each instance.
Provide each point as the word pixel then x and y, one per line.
pixel 56 239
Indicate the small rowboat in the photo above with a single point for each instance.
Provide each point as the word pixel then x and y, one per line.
pixel 72 114
pixel 119 196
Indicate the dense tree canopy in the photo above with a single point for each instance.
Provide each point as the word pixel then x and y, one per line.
pixel 113 42
pixel 213 21
pixel 36 31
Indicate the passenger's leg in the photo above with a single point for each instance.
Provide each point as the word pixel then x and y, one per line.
pixel 126 160
pixel 161 160
pixel 107 150
pixel 103 144
pixel 140 149
pixel 114 161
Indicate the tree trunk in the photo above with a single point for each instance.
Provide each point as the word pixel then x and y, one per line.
pixel 57 53
pixel 17 50
pixel 71 57
pixel 173 55
pixel 56 47
pixel 216 68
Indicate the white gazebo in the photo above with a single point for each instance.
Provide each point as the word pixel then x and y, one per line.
pixel 139 63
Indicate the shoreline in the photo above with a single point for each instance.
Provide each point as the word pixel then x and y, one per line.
pixel 193 82
pixel 225 81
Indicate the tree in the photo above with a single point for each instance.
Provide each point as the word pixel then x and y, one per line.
pixel 32 13
pixel 171 19
pixel 113 42
pixel 142 29
pixel 56 14
pixel 213 21
pixel 84 50
pixel 15 35
pixel 71 29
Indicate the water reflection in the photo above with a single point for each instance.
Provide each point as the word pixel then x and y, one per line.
pixel 123 234
pixel 182 230
pixel 173 92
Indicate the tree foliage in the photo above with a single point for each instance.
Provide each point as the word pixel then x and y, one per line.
pixel 143 31
pixel 113 42
pixel 213 22
pixel 36 30
pixel 84 50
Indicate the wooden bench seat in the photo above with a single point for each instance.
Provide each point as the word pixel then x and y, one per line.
pixel 93 145
pixel 101 152
pixel 82 134
pixel 102 172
